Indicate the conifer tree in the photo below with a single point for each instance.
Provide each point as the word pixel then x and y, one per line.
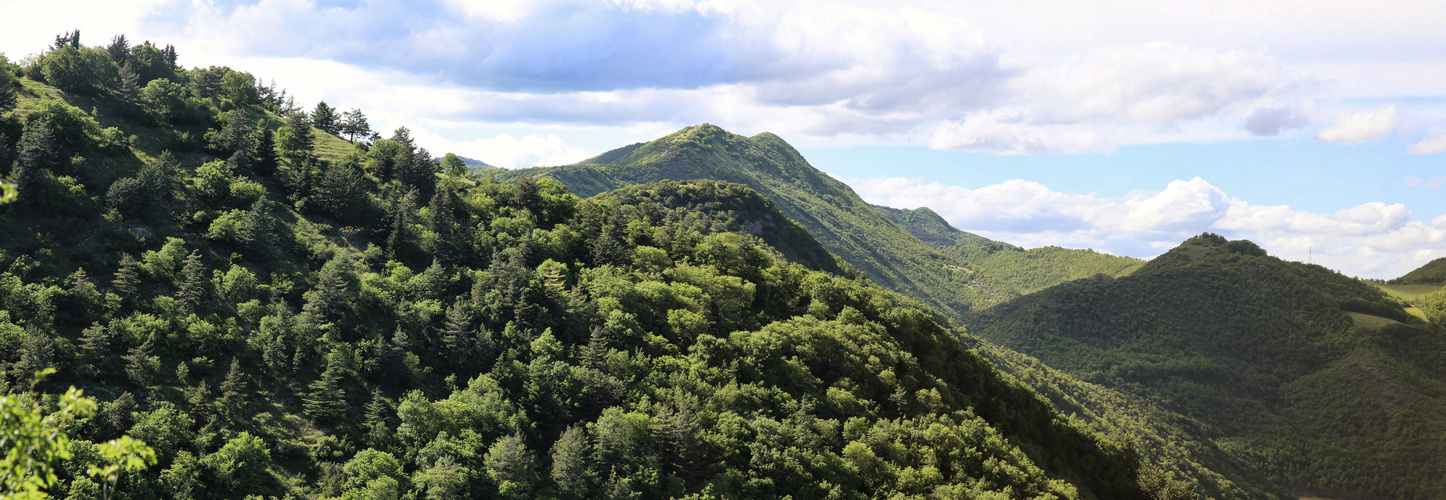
pixel 324 117
pixel 327 400
pixel 126 278
pixel 37 352
pixel 442 222
pixel 234 136
pixel 119 50
pixel 457 336
pixel 572 469
pixel 256 233
pixel 263 153
pixel 94 344
pixel 233 391
pixel 354 124
pixel 401 218
pixel 169 54
pixel 129 89
pixel 297 142
pixel 141 366
pixel 193 283
pixel 37 154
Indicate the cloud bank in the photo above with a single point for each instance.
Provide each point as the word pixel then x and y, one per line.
pixel 1370 240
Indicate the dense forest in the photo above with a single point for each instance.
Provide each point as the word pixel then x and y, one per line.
pixel 1318 380
pixel 1036 269
pixel 210 292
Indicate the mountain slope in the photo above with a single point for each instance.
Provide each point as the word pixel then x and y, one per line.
pixel 492 340
pixel 830 210
pixel 1035 269
pixel 929 227
pixel 1319 380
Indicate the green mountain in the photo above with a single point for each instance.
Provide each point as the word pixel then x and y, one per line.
pixel 275 311
pixel 929 227
pixel 1033 270
pixel 1319 380
pixel 1028 271
pixel 1433 273
pixel 828 209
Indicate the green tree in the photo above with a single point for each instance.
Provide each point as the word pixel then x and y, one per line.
pixel 166 101
pixel 325 118
pixel 354 124
pixel 263 152
pixel 8 87
pixel 119 50
pixel 193 283
pixel 296 139
pixel 79 69
pixel 240 89
pixel 241 466
pixel 37 155
pixel 454 165
pixel 572 469
pixel 141 366
pixel 327 401
pixel 36 442
pixel 235 135
pixel 512 467
pixel 258 233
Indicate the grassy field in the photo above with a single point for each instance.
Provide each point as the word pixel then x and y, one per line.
pixel 1409 292
pixel 1368 321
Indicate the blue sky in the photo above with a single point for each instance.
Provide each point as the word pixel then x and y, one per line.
pixel 1315 128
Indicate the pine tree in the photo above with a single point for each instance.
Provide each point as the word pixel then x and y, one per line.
pixel 572 469
pixel 263 153
pixel 37 153
pixel 233 391
pixel 297 144
pixel 94 344
pixel 256 233
pixel 37 352
pixel 126 278
pixel 402 212
pixel 354 124
pixel 129 89
pixel 234 136
pixel 119 50
pixel 327 401
pixel 457 336
pixel 441 221
pixel 141 366
pixel 324 117
pixel 169 54
pixel 193 283
pixel 378 431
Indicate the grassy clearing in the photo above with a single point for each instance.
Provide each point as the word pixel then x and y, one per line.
pixel 1409 292
pixel 1372 322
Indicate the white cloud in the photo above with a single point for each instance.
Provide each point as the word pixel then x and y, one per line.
pixel 507 151
pixel 1372 239
pixel 1269 121
pixel 1004 131
pixel 1436 143
pixel 1361 126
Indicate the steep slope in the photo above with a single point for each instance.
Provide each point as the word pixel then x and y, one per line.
pixel 929 227
pixel 1035 269
pixel 830 210
pixel 491 341
pixel 1318 379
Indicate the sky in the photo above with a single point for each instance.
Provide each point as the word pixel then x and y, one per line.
pixel 1315 128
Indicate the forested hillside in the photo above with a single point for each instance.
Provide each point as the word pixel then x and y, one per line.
pixel 828 209
pixel 1317 379
pixel 1028 271
pixel 1433 273
pixel 1035 269
pixel 929 227
pixel 273 310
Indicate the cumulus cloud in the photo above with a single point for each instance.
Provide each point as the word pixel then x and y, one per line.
pixel 1372 239
pixel 1436 143
pixel 1270 121
pixel 1361 126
